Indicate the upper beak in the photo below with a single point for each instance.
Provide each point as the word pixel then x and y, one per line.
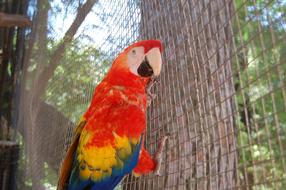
pixel 155 60
pixel 152 63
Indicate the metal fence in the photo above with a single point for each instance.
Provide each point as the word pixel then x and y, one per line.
pixel 221 95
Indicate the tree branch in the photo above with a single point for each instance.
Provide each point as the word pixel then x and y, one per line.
pixel 10 20
pixel 46 73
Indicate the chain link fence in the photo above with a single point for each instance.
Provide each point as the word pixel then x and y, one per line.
pixel 221 95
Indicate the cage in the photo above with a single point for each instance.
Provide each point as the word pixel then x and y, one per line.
pixel 221 95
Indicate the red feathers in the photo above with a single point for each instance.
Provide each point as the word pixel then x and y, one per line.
pixel 109 137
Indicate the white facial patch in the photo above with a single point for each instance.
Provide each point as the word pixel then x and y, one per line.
pixel 134 58
pixel 155 60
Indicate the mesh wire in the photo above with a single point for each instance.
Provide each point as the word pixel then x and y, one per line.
pixel 221 95
pixel 9 152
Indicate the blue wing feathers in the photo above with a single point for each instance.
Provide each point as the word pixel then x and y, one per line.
pixel 109 183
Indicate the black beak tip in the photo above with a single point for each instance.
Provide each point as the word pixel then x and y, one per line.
pixel 145 69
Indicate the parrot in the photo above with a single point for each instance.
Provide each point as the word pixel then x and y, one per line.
pixel 108 142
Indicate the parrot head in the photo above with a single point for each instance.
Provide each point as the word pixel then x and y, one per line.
pixel 144 58
pixel 137 63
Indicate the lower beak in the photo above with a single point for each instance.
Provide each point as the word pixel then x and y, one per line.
pixel 152 63
pixel 145 69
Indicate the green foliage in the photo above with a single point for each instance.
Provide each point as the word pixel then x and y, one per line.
pixel 260 32
pixel 71 87
pixel 51 177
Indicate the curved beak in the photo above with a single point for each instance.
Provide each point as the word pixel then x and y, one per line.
pixel 152 63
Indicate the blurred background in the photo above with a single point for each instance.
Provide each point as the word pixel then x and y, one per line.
pixel 221 95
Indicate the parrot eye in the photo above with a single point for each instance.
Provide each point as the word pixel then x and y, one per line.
pixel 135 57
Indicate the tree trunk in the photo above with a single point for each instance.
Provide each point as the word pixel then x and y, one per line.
pixel 40 148
pixel 34 145
pixel 195 101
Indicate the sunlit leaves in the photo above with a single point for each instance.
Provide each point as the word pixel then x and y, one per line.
pixel 71 87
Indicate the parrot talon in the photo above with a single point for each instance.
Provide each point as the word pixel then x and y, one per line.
pixel 150 95
pixel 158 155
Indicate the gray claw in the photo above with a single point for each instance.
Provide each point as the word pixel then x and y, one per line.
pixel 150 95
pixel 158 155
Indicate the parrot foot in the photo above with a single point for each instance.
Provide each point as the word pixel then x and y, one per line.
pixel 158 155
pixel 150 98
pixel 150 95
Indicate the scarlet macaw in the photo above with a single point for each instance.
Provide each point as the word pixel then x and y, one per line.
pixel 108 142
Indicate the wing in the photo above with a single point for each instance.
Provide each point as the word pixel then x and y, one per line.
pixel 108 148
pixel 68 161
pixel 103 167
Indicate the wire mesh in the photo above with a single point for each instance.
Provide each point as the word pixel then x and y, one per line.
pixel 9 152
pixel 221 94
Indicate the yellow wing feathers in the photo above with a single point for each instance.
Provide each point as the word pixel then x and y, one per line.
pixel 97 163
